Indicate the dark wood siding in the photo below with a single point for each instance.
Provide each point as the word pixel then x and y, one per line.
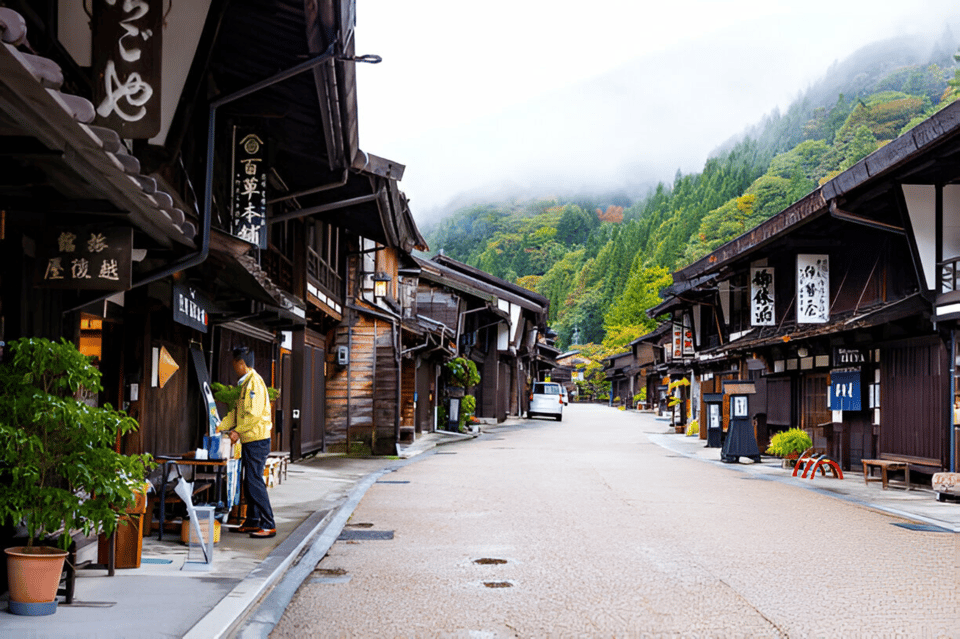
pixel 313 406
pixel 426 379
pixel 779 401
pixel 814 409
pixel 385 391
pixel 409 387
pixel 914 401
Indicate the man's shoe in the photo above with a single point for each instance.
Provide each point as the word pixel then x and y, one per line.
pixel 247 528
pixel 264 533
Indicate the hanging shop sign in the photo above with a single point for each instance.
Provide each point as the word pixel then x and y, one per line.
pixel 688 335
pixel 190 307
pixel 849 356
pixel 127 51
pixel 845 390
pixel 249 186
pixel 761 296
pixel 84 258
pixel 677 350
pixel 165 365
pixel 813 289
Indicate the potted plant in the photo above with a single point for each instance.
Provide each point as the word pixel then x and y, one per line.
pixel 674 401
pixel 463 374
pixel 789 444
pixel 58 470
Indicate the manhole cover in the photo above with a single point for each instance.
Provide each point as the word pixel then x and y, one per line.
pixel 365 535
pixel 488 561
pixel 923 527
pixel 498 584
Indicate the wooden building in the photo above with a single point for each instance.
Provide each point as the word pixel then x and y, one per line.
pixel 238 202
pixel 648 358
pixel 496 324
pixel 842 307
pixel 620 370
pixel 371 385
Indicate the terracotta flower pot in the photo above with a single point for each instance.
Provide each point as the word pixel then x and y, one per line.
pixel 33 573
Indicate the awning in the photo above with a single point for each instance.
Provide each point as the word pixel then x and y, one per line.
pixel 236 275
pixel 907 307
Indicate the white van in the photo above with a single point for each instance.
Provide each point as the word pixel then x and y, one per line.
pixel 546 400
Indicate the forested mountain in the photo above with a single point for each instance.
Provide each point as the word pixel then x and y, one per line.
pixel 602 261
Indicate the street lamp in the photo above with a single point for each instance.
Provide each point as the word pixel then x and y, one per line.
pixel 380 282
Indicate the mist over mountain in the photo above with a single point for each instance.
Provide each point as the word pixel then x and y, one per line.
pixel 601 256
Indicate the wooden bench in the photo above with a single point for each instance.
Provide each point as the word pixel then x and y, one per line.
pixel 885 465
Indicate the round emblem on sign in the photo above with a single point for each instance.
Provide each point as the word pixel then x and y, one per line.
pixel 251 145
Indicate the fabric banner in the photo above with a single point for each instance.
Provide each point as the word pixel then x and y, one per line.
pixel 762 296
pixel 845 390
pixel 203 378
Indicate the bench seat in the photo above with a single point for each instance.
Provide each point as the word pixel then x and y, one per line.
pixel 885 465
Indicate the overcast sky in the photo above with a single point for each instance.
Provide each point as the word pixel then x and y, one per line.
pixel 543 97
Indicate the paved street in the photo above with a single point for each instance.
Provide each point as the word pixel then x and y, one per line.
pixel 587 528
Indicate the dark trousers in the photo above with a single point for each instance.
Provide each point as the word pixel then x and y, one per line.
pixel 254 458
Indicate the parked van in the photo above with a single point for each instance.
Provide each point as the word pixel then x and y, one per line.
pixel 546 400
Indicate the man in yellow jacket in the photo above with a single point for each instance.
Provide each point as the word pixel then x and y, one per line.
pixel 250 423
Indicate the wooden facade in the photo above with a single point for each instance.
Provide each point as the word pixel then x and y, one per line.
pixel 843 342
pixel 281 290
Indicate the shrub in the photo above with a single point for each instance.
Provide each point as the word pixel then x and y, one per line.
pixel 693 428
pixel 788 442
pixel 463 372
pixel 468 406
pixel 58 468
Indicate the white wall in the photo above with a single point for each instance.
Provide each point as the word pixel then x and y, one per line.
pixel 181 32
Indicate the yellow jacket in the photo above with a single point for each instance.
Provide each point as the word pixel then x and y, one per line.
pixel 251 416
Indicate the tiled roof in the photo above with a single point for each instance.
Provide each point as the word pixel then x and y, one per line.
pixel 30 97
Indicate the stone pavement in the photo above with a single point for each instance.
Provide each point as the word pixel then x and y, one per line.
pixel 918 504
pixel 250 581
pixel 167 597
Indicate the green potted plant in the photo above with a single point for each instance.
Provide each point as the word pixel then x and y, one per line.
pixel 229 395
pixel 789 444
pixel 58 470
pixel 462 374
pixel 468 406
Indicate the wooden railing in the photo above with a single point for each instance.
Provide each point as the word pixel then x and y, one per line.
pixel 323 276
pixel 279 268
pixel 949 275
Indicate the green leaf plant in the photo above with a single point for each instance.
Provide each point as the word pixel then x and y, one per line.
pixel 792 441
pixel 463 372
pixel 58 470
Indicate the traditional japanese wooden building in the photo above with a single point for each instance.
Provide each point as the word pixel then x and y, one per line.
pixel 496 324
pixel 620 370
pixel 648 353
pixel 235 202
pixel 842 307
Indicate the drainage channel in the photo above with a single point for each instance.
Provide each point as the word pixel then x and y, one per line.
pixel 493 561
